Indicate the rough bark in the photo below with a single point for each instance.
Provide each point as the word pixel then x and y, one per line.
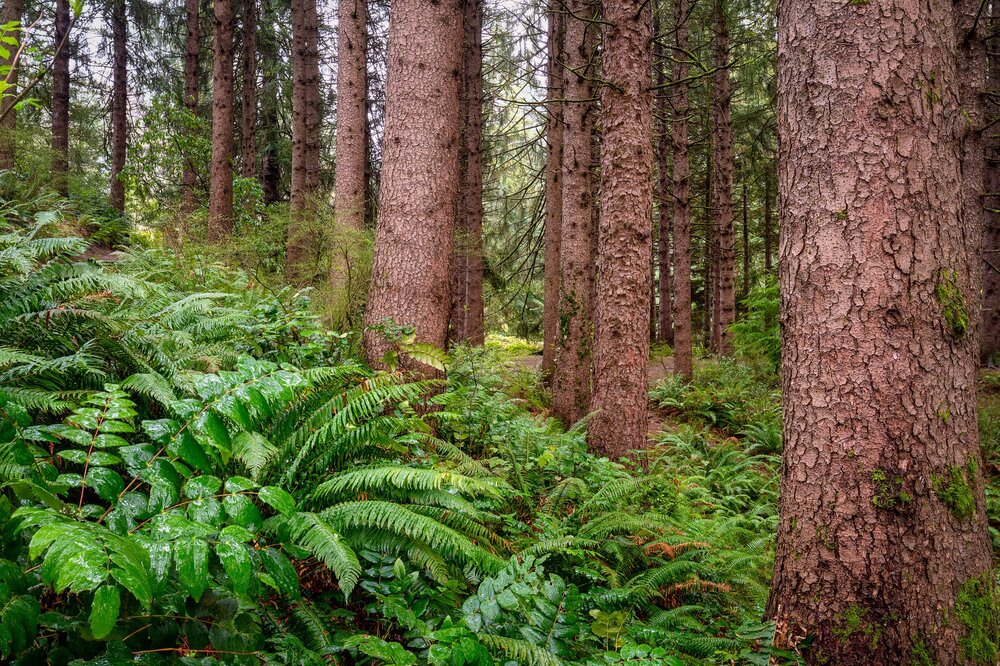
pixel 248 110
pixel 352 147
pixel 682 198
pixel 220 195
pixel 664 196
pixel 302 231
pixel 571 381
pixel 414 236
pixel 12 10
pixel 119 103
pixel 990 338
pixel 553 188
pixel 60 101
pixel 621 341
pixel 722 187
pixel 467 270
pixel 192 69
pixel 882 511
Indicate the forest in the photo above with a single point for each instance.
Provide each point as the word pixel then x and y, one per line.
pixel 500 332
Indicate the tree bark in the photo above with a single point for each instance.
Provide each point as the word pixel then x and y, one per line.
pixel 553 188
pixel 220 196
pixel 12 10
pixel 467 323
pixel 571 381
pixel 248 124
pixel 270 105
pixel 119 104
pixel 60 101
pixel 882 521
pixel 414 236
pixel 725 255
pixel 664 195
pixel 352 146
pixel 302 229
pixel 192 57
pixel 682 198
pixel 990 345
pixel 621 345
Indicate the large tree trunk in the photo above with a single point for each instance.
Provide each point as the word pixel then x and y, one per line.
pixel 220 195
pixel 882 551
pixel 467 271
pixel 664 196
pixel 12 10
pixel 553 189
pixel 192 69
pixel 415 233
pixel 350 185
pixel 682 199
pixel 119 104
pixel 302 228
pixel 248 124
pixel 725 254
pixel 60 101
pixel 990 345
pixel 571 381
pixel 621 343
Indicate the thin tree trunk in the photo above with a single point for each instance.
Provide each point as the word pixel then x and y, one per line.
pixel 119 104
pixel 352 147
pixel 12 10
pixel 270 104
pixel 768 218
pixel 248 124
pixel 682 199
pixel 553 188
pixel 664 194
pixel 467 270
pixel 414 236
pixel 621 342
pixel 302 228
pixel 60 102
pixel 725 255
pixel 883 554
pixel 192 53
pixel 571 381
pixel 220 196
pixel 745 285
pixel 708 278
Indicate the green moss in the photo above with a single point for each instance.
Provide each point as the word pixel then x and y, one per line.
pixel 921 656
pixel 952 300
pixel 859 3
pixel 955 489
pixel 888 493
pixel 842 214
pixel 850 622
pixel 977 608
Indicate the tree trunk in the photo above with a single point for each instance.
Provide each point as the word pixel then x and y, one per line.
pixel 745 284
pixel 990 345
pixel 352 146
pixel 553 188
pixel 571 381
pixel 621 343
pixel 768 218
pixel 725 255
pixel 220 196
pixel 248 124
pixel 883 554
pixel 270 105
pixel 664 195
pixel 119 104
pixel 682 199
pixel 12 10
pixel 414 236
pixel 60 102
pixel 711 299
pixel 467 271
pixel 302 228
pixel 192 52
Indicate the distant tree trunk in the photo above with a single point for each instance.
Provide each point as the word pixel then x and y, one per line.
pixel 664 194
pixel 725 256
pixel 621 342
pixel 682 199
pixel 882 545
pixel 769 218
pixel 12 10
pixel 414 238
pixel 192 53
pixel 553 188
pixel 302 236
pixel 711 300
pixel 571 381
pixel 351 183
pixel 270 104
pixel 990 345
pixel 60 102
pixel 220 196
pixel 119 104
pixel 248 124
pixel 467 271
pixel 745 285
